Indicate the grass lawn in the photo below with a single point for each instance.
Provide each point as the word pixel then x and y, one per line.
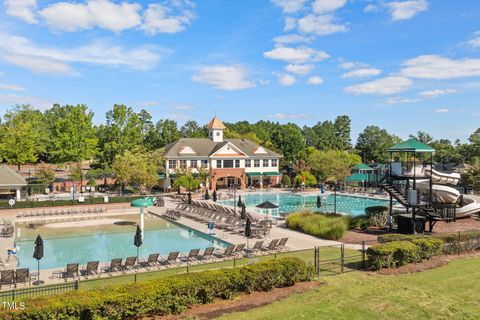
pixel 449 292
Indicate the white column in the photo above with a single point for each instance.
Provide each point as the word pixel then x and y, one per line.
pixel 142 221
pixel 18 194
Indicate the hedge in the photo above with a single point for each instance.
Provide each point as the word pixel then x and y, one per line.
pixel 399 253
pixel 169 295
pixel 326 226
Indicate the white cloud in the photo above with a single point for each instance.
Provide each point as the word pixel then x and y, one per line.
pixel 383 86
pixel 291 38
pixel 182 106
pixel 404 10
pixel 362 73
pixel 66 16
pixel 300 69
pixel 301 54
pixel 320 25
pixel 439 68
pixel 475 41
pixel 442 110
pixel 13 99
pixel 371 8
pixel 160 18
pixel 10 87
pixel 146 104
pixel 289 6
pixel 290 24
pixel 284 116
pixel 286 80
pixel 347 65
pixel 224 77
pixel 436 92
pixel 22 52
pixel 23 9
pixel 326 6
pixel 178 116
pixel 315 81
pixel 400 100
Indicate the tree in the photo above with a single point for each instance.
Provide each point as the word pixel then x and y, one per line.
pixel 122 132
pixel 185 179
pixel 342 133
pixel 423 137
pixel 326 135
pixel 23 135
pixel 373 144
pixel 76 174
pixel 203 175
pixel 135 168
pixel 289 139
pixel 305 177
pixel 331 165
pixel 445 152
pixel 191 129
pixel 163 133
pixel 72 135
pixel 45 174
pixel 231 134
pixel 471 176
pixel 286 181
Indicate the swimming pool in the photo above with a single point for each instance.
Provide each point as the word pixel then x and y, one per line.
pixel 104 242
pixel 287 202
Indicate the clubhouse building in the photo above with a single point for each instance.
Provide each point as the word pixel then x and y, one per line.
pixel 229 161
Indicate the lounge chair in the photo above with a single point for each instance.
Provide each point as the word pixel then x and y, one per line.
pixel 171 259
pixel 281 244
pixel 193 255
pixel 151 261
pixel 115 265
pixel 271 246
pixel 71 271
pixel 90 270
pixel 239 249
pixel 228 252
pixel 129 263
pixel 256 247
pixel 7 277
pixel 22 276
pixel 207 254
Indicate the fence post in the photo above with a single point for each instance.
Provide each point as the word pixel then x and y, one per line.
pixel 315 258
pixel 13 295
pixel 234 262
pixel 342 257
pixel 76 285
pixel 318 261
pixel 363 255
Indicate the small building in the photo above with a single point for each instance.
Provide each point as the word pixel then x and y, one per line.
pixel 229 162
pixel 11 183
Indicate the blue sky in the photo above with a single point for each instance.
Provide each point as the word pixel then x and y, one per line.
pixel 403 65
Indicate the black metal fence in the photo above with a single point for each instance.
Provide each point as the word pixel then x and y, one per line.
pixel 337 259
pixel 32 292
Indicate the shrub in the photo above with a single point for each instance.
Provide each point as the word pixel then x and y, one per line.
pixel 428 247
pixel 326 226
pixel 169 295
pixel 306 177
pixel 286 181
pixel 358 222
pixel 393 254
pixel 377 215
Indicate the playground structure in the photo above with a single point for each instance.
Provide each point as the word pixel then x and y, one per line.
pixel 427 195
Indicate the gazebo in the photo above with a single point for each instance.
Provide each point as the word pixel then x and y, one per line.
pixel 11 182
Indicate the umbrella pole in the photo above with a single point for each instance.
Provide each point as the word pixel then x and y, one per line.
pixel 136 268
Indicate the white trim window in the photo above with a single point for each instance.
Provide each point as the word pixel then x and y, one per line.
pixel 219 163
pixel 256 163
pixel 194 164
pixel 237 163
pixel 183 164
pixel 204 164
pixel 265 163
pixel 172 164
pixel 275 163
pixel 248 163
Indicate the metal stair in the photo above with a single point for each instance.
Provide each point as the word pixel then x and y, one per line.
pixel 397 195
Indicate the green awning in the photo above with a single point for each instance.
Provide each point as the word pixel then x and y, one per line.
pixel 362 166
pixel 162 175
pixel 254 174
pixel 357 177
pixel 272 174
pixel 411 145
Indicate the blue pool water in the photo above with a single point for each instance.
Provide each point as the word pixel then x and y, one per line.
pixel 104 244
pixel 350 205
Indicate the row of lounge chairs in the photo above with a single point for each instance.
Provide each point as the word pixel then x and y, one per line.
pixel 172 214
pixel 7 231
pixel 14 277
pixel 44 213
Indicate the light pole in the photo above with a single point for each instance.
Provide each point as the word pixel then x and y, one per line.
pixel 335 198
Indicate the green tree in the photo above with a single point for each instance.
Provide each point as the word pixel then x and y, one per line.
pixel 286 181
pixel 373 144
pixel 326 135
pixel 342 133
pixel 471 176
pixel 185 179
pixel 191 129
pixel 423 137
pixel 289 139
pixel 331 165
pixel 72 135
pixel 76 174
pixel 135 169
pixel 163 133
pixel 305 177
pixel 231 134
pixel 45 174
pixel 23 135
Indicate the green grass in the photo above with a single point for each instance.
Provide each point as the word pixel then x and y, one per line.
pixel 448 292
pixel 325 226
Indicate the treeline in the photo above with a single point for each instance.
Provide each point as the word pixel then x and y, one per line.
pixel 65 134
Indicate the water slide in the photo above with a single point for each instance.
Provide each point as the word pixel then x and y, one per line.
pixel 470 206
pixel 442 178
pixel 444 193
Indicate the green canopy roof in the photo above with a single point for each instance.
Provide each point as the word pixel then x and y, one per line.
pixel 411 145
pixel 272 174
pixel 357 177
pixel 141 203
pixel 362 166
pixel 254 174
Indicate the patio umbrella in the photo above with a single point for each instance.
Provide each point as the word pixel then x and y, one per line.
pixel 189 197
pixel 243 213
pixel 137 241
pixel 239 203
pixel 207 196
pixel 38 254
pixel 248 229
pixel 214 196
pixel 267 205
pixel 319 202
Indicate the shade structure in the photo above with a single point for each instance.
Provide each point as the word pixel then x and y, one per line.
pixel 38 254
pixel 248 228
pixel 357 177
pixel 272 174
pixel 267 205
pixel 214 196
pixel 254 174
pixel 411 145
pixel 141 203
pixel 239 203
pixel 189 198
pixel 362 167
pixel 137 240
pixel 243 212
pixel 319 202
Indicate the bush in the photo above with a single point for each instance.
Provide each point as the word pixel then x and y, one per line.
pixel 377 215
pixel 164 296
pixel 393 254
pixel 286 181
pixel 358 222
pixel 428 247
pixel 326 226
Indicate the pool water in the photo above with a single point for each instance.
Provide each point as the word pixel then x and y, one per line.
pixel 106 242
pixel 287 203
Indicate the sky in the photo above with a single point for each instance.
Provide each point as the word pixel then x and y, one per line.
pixel 402 65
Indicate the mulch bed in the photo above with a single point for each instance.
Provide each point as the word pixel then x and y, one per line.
pixel 242 302
pixel 467 224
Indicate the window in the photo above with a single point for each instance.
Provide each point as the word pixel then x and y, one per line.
pixel 237 163
pixel 228 163
pixel 219 163
pixel 248 163
pixel 265 162
pixel 193 163
pixel 204 163
pixel 274 162
pixel 183 164
pixel 256 163
pixel 172 164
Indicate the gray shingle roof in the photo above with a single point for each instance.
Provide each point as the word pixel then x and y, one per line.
pixel 9 178
pixel 204 147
